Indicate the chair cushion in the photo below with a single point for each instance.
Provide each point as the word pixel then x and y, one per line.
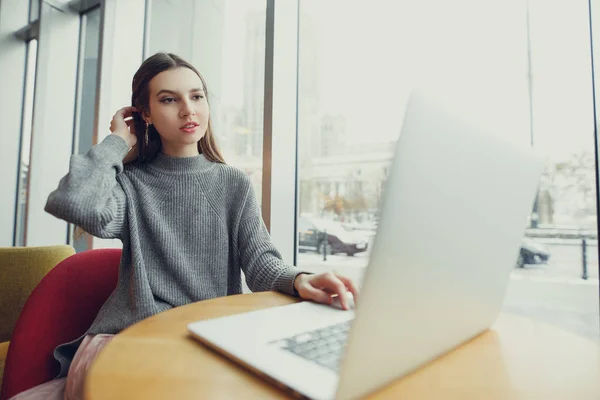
pixel 21 269
pixel 60 309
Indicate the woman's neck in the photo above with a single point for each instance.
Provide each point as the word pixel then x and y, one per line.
pixel 188 150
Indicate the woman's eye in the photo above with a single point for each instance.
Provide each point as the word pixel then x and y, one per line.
pixel 167 100
pixel 198 97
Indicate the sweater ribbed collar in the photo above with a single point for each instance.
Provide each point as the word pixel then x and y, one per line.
pixel 181 165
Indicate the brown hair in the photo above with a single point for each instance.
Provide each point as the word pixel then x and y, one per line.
pixel 140 99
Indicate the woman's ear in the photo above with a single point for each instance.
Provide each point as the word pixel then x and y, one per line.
pixel 147 118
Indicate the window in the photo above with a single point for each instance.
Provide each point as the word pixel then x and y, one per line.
pixel 353 84
pixel 83 138
pixel 353 87
pixel 34 10
pixel 26 125
pixel 347 125
pixel 563 289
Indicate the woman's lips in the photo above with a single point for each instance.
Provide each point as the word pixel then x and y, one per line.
pixel 190 129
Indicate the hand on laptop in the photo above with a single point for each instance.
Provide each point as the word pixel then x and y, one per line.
pixel 323 287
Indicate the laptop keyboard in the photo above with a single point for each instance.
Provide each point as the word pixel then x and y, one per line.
pixel 323 346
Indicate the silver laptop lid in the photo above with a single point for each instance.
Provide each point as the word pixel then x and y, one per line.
pixel 454 212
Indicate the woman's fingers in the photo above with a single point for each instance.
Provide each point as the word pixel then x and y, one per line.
pixel 122 125
pixel 318 295
pixel 322 287
pixel 125 112
pixel 329 282
pixel 350 285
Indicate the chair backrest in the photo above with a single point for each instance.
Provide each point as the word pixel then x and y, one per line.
pixel 21 269
pixel 60 309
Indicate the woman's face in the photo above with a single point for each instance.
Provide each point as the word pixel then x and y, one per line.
pixel 178 110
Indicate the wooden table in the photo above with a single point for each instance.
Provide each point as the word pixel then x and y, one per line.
pixel 518 358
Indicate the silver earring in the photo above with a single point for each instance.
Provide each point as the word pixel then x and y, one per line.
pixel 147 125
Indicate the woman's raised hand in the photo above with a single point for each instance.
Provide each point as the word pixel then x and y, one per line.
pixel 122 125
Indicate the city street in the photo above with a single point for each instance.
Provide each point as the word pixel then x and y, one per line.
pixel 554 293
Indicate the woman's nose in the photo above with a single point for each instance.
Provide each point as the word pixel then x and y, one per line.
pixel 187 109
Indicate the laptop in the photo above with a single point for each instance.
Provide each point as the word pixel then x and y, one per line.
pixel 454 211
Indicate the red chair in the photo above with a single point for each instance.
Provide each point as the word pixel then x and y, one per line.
pixel 60 309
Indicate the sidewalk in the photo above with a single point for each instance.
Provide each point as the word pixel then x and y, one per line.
pixel 572 306
pixel 552 293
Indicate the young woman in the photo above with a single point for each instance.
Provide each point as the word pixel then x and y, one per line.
pixel 189 223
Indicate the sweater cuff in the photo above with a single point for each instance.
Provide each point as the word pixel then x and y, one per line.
pixel 112 148
pixel 285 281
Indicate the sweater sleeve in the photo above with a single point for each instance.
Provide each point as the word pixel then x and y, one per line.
pixel 259 259
pixel 89 195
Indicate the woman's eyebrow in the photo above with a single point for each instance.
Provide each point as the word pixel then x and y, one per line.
pixel 174 92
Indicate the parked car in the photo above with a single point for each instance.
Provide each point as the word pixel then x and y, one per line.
pixel 311 237
pixel 532 253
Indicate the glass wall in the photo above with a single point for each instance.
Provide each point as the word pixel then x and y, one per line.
pixel 562 290
pixel 225 41
pixel 353 84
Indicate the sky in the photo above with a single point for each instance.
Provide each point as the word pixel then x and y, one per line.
pixel 371 53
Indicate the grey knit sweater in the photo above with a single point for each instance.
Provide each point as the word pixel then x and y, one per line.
pixel 189 226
